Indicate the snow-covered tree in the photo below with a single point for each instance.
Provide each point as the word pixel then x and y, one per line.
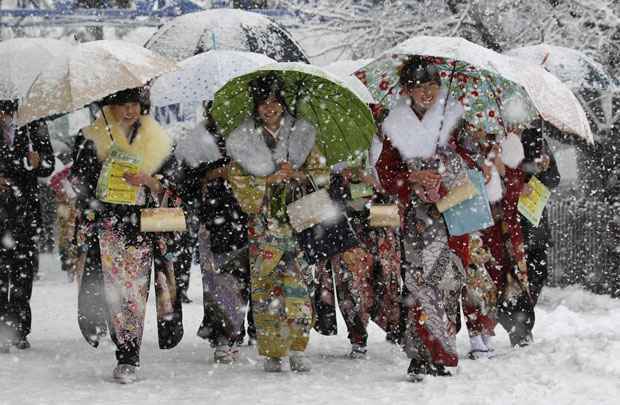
pixel 367 27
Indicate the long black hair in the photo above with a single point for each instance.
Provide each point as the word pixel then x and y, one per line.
pixel 265 87
pixel 417 70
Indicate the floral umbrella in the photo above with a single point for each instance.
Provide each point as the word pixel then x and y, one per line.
pixel 482 92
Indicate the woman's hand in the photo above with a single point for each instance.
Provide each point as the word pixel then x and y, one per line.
pixel 526 190
pixel 5 184
pixel 426 178
pixel 34 159
pixel 487 171
pixel 220 172
pixel 496 157
pixel 370 181
pixel 543 162
pixel 285 173
pixel 143 179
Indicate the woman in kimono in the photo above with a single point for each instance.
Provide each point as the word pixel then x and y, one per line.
pixel 367 275
pixel 127 253
pixel 222 238
pixel 479 296
pixel 274 154
pixel 417 165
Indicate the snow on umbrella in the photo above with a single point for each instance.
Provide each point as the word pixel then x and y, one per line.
pixel 345 69
pixel 21 61
pixel 344 122
pixel 202 75
pixel 482 80
pixel 572 67
pixel 231 29
pixel 88 73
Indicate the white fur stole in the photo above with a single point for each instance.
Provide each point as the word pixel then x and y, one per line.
pixel 415 138
pixel 246 146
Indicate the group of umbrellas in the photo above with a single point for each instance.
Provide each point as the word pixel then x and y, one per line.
pixel 204 56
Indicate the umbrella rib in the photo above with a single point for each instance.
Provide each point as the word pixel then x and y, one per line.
pixel 341 106
pixel 320 126
pixel 337 124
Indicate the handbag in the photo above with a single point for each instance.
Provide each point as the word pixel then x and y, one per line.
pixel 384 216
pixel 162 219
pixel 323 228
pixel 312 209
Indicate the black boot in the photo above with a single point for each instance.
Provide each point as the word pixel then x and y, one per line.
pixel 22 344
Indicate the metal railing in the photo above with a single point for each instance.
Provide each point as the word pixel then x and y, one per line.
pixel 585 247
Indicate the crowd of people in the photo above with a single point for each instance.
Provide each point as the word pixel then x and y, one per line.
pixel 405 272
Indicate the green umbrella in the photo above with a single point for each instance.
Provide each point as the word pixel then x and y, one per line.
pixel 344 123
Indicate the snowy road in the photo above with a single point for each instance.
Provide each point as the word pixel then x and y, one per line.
pixel 575 360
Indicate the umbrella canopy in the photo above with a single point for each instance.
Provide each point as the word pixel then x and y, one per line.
pixel 231 29
pixel 572 67
pixel 345 70
pixel 344 123
pixel 483 79
pixel 202 75
pixel 21 60
pixel 88 73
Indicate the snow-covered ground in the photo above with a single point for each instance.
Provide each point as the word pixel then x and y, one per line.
pixel 575 360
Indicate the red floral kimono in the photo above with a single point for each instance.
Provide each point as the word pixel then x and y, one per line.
pixel 433 273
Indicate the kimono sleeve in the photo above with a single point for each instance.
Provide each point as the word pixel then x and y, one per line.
pixel 249 190
pixel 393 172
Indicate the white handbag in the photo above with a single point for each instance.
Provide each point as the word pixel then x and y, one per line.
pixel 313 209
pixel 162 219
pixel 384 216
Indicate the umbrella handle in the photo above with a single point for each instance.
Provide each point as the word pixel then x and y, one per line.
pixel 26 162
pixel 105 119
pixel 445 103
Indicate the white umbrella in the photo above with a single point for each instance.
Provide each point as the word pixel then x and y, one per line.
pixel 345 69
pixel 88 73
pixel 202 75
pixel 553 100
pixel 21 61
pixel 572 67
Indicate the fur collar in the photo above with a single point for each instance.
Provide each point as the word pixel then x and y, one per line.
pixel 246 146
pixel 152 144
pixel 199 146
pixel 419 139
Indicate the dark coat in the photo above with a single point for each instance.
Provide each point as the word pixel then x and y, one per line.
pixel 214 204
pixel 22 205
pixel 93 315
pixel 535 145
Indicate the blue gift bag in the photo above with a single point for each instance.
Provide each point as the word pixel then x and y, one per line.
pixel 471 215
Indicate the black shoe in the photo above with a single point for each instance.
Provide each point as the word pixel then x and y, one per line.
pixel 5 348
pixel 185 299
pixel 392 337
pixel 440 371
pixel 417 370
pixel 22 344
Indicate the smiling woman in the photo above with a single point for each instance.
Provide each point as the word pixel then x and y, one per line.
pixel 274 156
pixel 124 163
pixel 417 165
